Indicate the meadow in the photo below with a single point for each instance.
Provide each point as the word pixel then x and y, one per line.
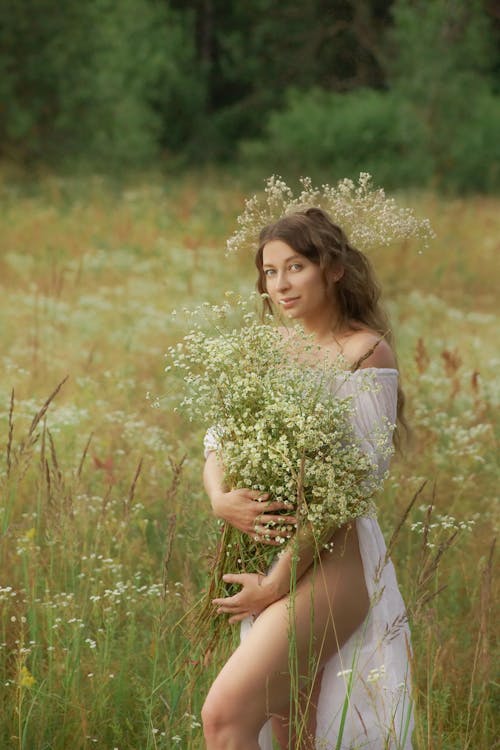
pixel 106 534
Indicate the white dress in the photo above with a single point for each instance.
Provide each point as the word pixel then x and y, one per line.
pixel 366 686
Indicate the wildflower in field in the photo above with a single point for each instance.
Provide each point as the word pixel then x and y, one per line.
pixel 26 679
pixel 375 674
pixel 344 672
pixel 435 525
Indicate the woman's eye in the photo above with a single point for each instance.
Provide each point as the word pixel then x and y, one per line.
pixel 268 271
pixel 296 266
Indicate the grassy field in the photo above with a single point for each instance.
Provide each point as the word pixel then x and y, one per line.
pixel 106 534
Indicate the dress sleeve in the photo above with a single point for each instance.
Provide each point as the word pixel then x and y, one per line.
pixel 373 394
pixel 211 441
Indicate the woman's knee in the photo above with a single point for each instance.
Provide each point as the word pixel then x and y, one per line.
pixel 226 721
pixel 219 717
pixel 212 717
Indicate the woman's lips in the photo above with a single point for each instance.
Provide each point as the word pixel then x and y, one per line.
pixel 287 302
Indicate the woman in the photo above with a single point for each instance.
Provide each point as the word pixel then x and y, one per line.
pixel 346 617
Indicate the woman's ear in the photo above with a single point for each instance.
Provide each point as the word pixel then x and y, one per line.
pixel 339 272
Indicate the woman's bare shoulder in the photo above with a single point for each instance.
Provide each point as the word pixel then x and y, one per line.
pixel 367 348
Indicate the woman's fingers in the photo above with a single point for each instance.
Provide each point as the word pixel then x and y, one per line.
pixel 228 608
pixel 266 531
pixel 268 519
pixel 227 604
pixel 263 540
pixel 261 497
pixel 238 618
pixel 273 531
pixel 234 578
pixel 273 505
pixel 252 598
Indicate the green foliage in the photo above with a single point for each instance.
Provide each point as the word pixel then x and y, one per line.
pixel 252 52
pixel 96 79
pixel 329 133
pixel 473 150
pixel 438 48
pixel 441 55
pixel 438 121
pixel 120 85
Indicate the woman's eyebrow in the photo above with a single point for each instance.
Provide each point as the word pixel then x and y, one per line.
pixel 287 260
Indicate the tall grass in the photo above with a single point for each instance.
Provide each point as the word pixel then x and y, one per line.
pixel 106 535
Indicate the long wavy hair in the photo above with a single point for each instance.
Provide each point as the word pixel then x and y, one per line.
pixel 312 233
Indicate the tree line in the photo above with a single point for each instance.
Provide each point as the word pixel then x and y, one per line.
pixel 408 89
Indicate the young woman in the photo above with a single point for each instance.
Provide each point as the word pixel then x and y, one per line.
pixel 346 616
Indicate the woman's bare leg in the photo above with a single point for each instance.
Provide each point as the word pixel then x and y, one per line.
pixel 330 602
pixel 308 704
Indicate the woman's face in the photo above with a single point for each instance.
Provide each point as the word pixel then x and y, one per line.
pixel 295 283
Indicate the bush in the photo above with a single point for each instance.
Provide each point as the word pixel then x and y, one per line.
pixel 327 133
pixel 473 149
pixel 440 60
pixel 99 81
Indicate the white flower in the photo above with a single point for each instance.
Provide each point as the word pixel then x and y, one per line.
pixel 369 218
pixel 277 423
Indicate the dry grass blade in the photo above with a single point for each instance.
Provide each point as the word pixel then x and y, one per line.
pixel 369 353
pixel 177 468
pixel 48 483
pixel 43 445
pixel 84 456
pixel 131 493
pixel 432 563
pixel 11 433
pixel 427 525
pixel 105 499
pixel 482 656
pixel 428 597
pixel 40 414
pixel 53 456
pixel 400 525
pixel 172 522
pixel 486 599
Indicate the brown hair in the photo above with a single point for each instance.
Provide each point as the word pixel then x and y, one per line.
pixel 312 233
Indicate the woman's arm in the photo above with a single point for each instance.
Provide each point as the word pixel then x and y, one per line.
pixel 213 479
pixel 247 510
pixel 259 591
pixel 293 562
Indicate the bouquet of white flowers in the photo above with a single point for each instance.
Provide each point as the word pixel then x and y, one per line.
pixel 278 427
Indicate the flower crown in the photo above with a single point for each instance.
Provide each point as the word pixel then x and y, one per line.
pixel 368 217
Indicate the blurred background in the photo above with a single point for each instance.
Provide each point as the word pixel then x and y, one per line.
pixel 408 90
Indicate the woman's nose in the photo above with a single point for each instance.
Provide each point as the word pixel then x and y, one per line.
pixel 282 282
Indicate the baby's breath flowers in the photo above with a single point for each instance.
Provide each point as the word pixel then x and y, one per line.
pixel 277 426
pixel 369 217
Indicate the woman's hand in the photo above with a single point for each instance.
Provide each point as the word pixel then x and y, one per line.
pixel 251 512
pixel 256 594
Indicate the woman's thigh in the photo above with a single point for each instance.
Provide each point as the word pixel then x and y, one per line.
pixel 297 729
pixel 292 639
